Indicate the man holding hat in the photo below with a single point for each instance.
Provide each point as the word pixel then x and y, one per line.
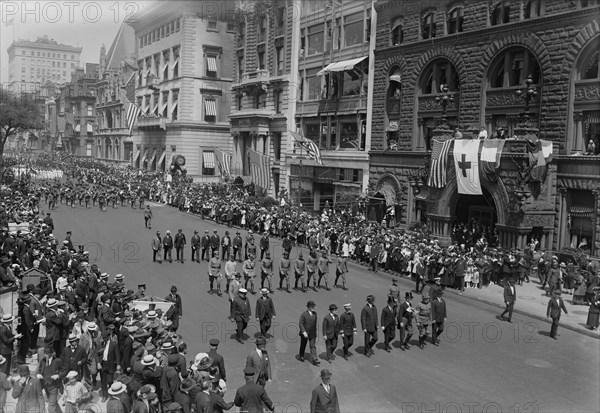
pixel 7 339
pixel 331 331
pixel 555 305
pixel 241 313
pixel 265 311
pixel 259 360
pixel 348 328
pixel 308 332
pixel 368 321
pixel 324 396
pixel 28 393
pixel 251 397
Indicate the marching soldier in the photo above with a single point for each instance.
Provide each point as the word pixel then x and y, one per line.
pixel 423 319
pixel 284 272
pixel 214 273
pixel 341 269
pixel 248 268
pixel 299 270
pixel 266 271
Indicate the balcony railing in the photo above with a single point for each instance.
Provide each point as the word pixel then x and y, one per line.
pixel 153 122
pixel 349 103
pixel 260 75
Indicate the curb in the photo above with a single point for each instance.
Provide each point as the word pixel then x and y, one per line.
pixel 580 330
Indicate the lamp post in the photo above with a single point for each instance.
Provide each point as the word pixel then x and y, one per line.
pixel 444 99
pixel 528 94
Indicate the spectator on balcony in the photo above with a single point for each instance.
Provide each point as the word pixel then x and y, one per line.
pixel 457 134
pixel 591 147
pixel 482 133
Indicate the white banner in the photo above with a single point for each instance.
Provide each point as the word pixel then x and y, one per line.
pixel 466 164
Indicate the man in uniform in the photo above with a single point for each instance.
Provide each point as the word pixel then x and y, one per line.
pixel 180 243
pixel 264 245
pixel 323 269
pixel 348 328
pixel 423 312
pixel 148 217
pixel 438 316
pixel 331 330
pixel 266 271
pixel 341 269
pixel 214 273
pixel 405 320
pixel 205 244
pixel 265 311
pixel 248 268
pixel 241 314
pixel 308 332
pixel 299 272
pixel 215 242
pixel 284 272
pixel 233 290
pixel 368 321
pixel 217 359
pixel 251 397
pixel 237 246
pixel 195 244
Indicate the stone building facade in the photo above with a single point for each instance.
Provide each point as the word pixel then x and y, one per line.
pixel 480 58
pixel 184 54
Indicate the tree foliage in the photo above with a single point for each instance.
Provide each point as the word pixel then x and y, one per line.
pixel 18 112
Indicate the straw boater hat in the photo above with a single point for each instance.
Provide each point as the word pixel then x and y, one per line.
pixel 7 318
pixel 148 360
pixel 72 374
pixel 117 388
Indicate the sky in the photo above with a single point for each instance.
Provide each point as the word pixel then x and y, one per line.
pixel 87 24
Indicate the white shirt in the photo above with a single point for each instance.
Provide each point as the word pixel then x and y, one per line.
pixel 326 387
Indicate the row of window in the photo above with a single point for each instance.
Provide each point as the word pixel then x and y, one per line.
pixel 263 27
pixel 323 37
pixel 213 26
pixel 162 66
pixel 157 104
pixel 337 132
pixel 499 14
pixel 46 54
pixel 161 32
pixel 259 101
pixel 261 63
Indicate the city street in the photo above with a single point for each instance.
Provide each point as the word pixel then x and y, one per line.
pixel 482 364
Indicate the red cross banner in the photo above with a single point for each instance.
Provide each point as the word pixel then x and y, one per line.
pixel 466 164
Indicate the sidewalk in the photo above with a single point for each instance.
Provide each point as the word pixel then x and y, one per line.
pixel 531 301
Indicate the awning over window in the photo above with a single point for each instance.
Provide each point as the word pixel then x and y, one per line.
pixel 210 107
pixel 145 157
pixel 389 195
pixel 153 156
pixel 396 77
pixel 137 155
pixel 209 159
pixel 212 63
pixel 174 107
pixel 341 66
pixel 77 128
pixel 162 157
pixel 90 128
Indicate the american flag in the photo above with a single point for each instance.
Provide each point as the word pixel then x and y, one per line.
pixel 260 168
pixel 132 111
pixel 439 159
pixel 311 147
pixel 224 162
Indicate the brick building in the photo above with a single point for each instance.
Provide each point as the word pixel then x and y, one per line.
pixel 477 57
pixel 183 85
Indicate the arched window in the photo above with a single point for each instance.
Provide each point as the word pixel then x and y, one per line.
pixel 588 3
pixel 512 67
pixel 585 132
pixel 455 20
pixel 438 73
pixel 428 25
pixel 588 69
pixel 533 8
pixel 397 34
pixel 500 13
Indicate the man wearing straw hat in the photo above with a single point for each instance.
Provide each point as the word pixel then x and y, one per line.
pixel 114 404
pixel 5 385
pixel 7 339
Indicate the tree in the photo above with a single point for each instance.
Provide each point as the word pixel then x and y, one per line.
pixel 18 112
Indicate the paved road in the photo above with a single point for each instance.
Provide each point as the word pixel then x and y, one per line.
pixel 482 364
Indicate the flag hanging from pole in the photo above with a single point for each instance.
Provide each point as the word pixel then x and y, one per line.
pixel 540 153
pixel 490 157
pixel 260 168
pixel 466 164
pixel 223 160
pixel 311 147
pixel 439 156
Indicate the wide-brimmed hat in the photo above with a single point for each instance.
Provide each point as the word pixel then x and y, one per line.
pixel 52 302
pixel 187 385
pixel 148 360
pixel 7 318
pixel 72 374
pixel 151 314
pixel 117 388
pixel 242 291
pixel 167 345
pixel 202 361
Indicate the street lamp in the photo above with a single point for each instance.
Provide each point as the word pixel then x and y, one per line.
pixel 444 99
pixel 528 94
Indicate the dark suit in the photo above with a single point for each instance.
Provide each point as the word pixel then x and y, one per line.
pixel 308 325
pixel 7 338
pixel 251 398
pixel 555 305
pixel 388 323
pixel 108 367
pixel 241 315
pixel 204 244
pixel 510 296
pixel 405 323
pixel 438 315
pixel 368 321
pixel 73 359
pixel 29 395
pixel 219 362
pixel 348 328
pixel 180 243
pixel 331 330
pixel 48 368
pixel 265 311
pixel 262 366
pixel 203 403
pixel 323 402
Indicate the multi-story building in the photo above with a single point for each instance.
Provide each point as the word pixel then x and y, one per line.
pixel 41 61
pixel 115 90
pixel 76 105
pixel 304 66
pixel 485 64
pixel 183 84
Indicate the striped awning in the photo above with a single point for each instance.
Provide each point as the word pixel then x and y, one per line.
pixel 174 107
pixel 137 155
pixel 212 63
pixel 210 107
pixel 153 156
pixel 341 66
pixel 396 77
pixel 209 159
pixel 162 157
pixel 90 128
pixel 77 128
pixel 145 157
